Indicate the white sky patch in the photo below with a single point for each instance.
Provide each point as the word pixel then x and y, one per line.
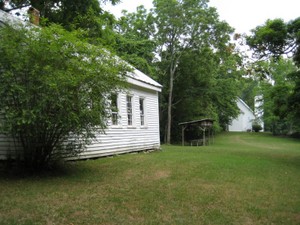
pixel 243 15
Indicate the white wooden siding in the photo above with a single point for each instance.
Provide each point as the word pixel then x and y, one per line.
pixel 123 138
pixel 244 121
pixel 8 147
pixel 119 138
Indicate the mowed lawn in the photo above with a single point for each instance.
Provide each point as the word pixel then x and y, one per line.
pixel 244 178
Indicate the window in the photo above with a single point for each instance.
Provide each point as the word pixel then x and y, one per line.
pixel 142 112
pixel 129 110
pixel 114 109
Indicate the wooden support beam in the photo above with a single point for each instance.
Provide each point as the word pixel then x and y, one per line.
pixel 203 136
pixel 182 134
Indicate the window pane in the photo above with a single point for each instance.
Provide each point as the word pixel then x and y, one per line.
pixel 142 112
pixel 114 109
pixel 129 110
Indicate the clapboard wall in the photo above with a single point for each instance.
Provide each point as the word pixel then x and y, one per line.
pixel 123 138
pixel 244 120
pixel 117 139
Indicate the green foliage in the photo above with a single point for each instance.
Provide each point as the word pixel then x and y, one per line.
pixel 73 15
pixel 249 88
pixel 272 40
pixel 276 91
pixel 195 57
pixel 294 37
pixel 54 8
pixel 295 95
pixel 256 127
pixel 67 11
pixel 134 40
pixel 98 28
pixel 53 89
pixel 204 91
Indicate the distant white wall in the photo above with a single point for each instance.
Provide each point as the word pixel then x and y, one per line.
pixel 244 121
pixel 258 110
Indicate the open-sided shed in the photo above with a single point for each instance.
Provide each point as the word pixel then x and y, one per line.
pixel 204 124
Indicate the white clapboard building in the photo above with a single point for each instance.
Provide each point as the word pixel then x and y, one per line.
pixel 244 120
pixel 134 125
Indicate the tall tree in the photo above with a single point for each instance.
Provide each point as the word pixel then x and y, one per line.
pixel 181 26
pixel 274 39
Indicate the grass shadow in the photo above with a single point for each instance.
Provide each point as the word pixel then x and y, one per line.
pixel 12 171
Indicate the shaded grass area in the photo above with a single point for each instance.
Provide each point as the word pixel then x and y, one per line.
pixel 244 178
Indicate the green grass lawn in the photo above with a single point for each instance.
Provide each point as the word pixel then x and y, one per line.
pixel 244 178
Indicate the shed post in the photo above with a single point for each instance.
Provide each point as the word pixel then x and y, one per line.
pixel 203 136
pixel 182 134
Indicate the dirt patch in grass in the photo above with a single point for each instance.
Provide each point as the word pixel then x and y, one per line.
pixel 254 143
pixel 129 174
pixel 147 175
pixel 161 174
pixel 79 213
pixel 297 218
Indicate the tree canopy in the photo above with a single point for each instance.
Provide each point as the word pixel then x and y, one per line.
pixel 270 42
pixel 73 15
pixel 134 39
pixel 276 38
pixel 188 32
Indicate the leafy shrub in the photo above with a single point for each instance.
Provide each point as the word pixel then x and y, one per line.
pixel 256 127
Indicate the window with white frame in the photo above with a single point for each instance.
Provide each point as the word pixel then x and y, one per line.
pixel 129 110
pixel 142 111
pixel 114 109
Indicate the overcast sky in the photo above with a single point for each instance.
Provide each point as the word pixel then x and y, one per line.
pixel 243 15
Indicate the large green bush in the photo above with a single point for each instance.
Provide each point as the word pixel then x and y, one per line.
pixel 52 91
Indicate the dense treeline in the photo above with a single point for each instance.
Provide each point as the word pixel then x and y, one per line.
pixel 276 46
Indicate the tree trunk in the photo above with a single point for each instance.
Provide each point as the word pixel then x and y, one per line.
pixel 170 101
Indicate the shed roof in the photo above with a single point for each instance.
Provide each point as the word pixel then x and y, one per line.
pixel 195 122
